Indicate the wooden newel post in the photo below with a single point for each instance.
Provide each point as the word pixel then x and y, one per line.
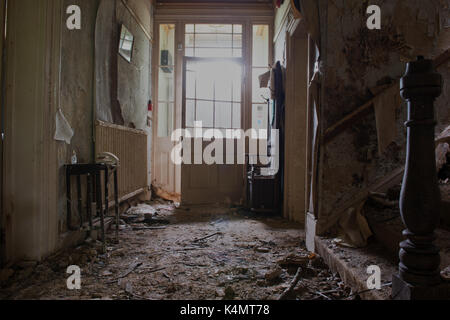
pixel 419 274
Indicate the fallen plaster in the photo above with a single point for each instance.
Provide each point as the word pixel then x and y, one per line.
pixel 352 264
pixel 192 253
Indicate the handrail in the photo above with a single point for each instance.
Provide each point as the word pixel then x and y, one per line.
pixel 348 120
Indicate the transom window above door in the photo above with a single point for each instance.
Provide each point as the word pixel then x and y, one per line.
pixel 213 40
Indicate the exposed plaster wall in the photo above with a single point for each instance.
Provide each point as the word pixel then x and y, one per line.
pixel 134 78
pixel 131 83
pixel 359 59
pixel 77 92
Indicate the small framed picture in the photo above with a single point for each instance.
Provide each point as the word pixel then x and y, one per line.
pixel 126 43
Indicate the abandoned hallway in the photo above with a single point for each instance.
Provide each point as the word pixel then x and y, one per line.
pixel 225 150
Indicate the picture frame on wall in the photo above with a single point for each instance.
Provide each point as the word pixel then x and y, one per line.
pixel 126 43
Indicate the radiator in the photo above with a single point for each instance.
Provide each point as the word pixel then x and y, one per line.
pixel 130 146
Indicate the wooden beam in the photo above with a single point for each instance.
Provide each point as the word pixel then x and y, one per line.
pixel 367 108
pixel 382 185
pixel 442 58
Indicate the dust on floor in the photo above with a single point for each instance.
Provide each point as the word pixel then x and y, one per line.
pixel 169 253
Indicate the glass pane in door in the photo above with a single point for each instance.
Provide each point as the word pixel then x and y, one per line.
pixel 213 93
pixel 166 80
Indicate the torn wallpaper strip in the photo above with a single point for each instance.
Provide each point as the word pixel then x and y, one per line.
pixel 64 131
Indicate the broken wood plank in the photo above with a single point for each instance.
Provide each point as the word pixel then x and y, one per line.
pixel 195 265
pixel 148 228
pixel 285 295
pixel 207 237
pixel 171 196
pixel 133 267
pixel 442 58
pixel 321 294
pixel 156 270
pixel 368 290
pixel 348 121
pixel 188 249
pixel 294 260
pixel 381 185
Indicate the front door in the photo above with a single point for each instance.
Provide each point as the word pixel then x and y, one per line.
pixel 212 100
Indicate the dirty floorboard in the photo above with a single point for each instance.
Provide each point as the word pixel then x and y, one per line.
pixel 195 254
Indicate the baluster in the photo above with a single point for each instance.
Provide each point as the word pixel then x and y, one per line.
pixel 419 274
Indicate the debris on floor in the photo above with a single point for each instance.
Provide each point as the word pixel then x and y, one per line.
pixel 443 163
pixel 442 151
pixel 171 253
pixel 445 274
pixel 354 230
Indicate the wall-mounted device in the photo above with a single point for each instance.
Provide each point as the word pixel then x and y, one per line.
pixel 166 61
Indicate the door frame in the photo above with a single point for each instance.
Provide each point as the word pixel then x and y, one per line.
pixel 175 194
pixel 178 14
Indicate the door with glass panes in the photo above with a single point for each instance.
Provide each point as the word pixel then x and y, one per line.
pixel 212 106
pixel 212 100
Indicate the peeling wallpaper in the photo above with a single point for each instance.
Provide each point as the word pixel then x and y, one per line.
pixel 359 59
